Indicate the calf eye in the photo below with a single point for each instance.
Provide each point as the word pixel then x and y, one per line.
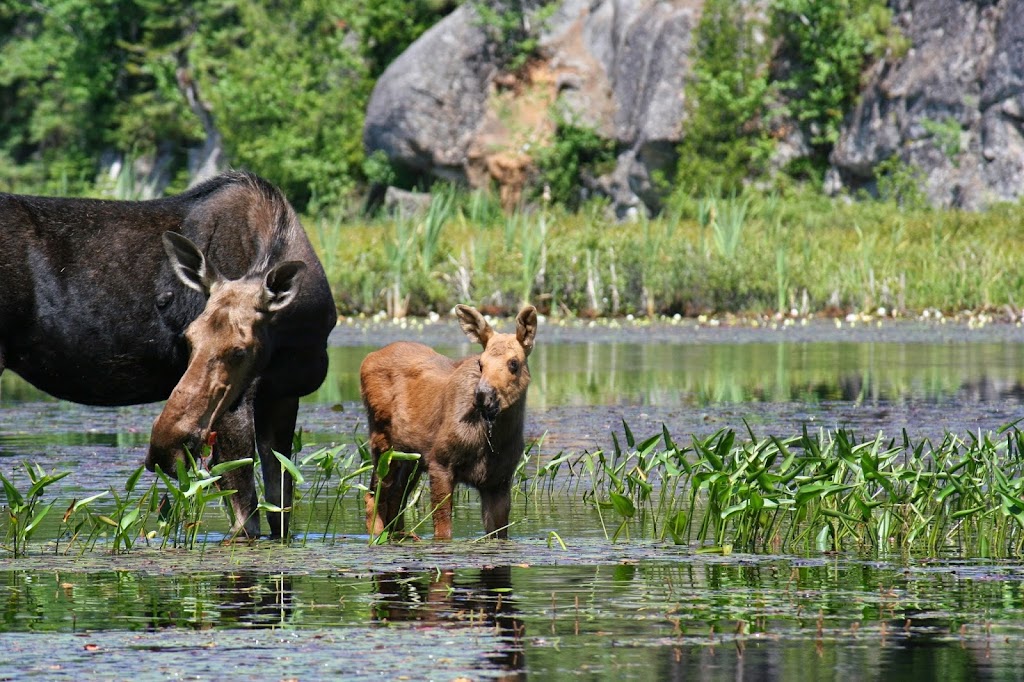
pixel 237 355
pixel 480 365
pixel 513 366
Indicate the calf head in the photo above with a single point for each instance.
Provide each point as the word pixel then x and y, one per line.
pixel 229 347
pixel 504 375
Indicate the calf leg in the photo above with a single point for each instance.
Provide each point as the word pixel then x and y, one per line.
pixel 386 500
pixel 495 504
pixel 275 425
pixel 442 484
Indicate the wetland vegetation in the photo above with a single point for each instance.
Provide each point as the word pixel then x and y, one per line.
pixel 677 538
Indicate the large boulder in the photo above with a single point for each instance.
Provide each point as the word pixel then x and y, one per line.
pixel 952 107
pixel 445 109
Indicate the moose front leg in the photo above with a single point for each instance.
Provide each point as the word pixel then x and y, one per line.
pixel 442 484
pixel 234 441
pixel 495 505
pixel 275 427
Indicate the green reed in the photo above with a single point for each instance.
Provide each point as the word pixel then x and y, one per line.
pixel 823 491
pixel 25 511
pixel 189 494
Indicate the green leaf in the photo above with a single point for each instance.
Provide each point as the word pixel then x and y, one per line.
pixel 623 505
pixel 288 465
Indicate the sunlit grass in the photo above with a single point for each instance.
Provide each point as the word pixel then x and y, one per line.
pixel 758 253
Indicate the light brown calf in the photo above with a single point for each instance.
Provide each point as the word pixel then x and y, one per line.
pixel 464 417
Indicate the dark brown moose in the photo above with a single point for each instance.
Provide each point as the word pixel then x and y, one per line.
pixel 464 417
pixel 212 299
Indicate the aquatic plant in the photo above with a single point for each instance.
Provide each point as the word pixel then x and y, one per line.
pixel 827 491
pixel 189 494
pixel 25 511
pixel 339 463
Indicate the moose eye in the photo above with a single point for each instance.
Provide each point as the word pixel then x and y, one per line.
pixel 236 355
pixel 513 366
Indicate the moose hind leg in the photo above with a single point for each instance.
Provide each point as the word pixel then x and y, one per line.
pixel 495 505
pixel 275 427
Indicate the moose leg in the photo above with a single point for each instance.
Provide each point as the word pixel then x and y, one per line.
pixel 275 425
pixel 235 441
pixel 495 504
pixel 377 510
pixel 442 484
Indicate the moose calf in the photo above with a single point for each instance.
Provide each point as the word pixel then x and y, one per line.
pixel 464 417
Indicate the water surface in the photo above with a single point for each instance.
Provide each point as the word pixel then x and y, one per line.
pixel 330 605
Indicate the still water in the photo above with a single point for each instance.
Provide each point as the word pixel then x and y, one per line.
pixel 331 606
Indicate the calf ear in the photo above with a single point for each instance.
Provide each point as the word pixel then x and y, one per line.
pixel 282 285
pixel 474 325
pixel 189 263
pixel 526 327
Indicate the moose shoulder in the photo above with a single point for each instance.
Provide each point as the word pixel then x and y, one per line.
pixel 464 417
pixel 212 299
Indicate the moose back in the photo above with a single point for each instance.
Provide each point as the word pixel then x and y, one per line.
pixel 212 299
pixel 464 417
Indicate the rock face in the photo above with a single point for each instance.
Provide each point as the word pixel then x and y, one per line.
pixel 953 106
pixel 444 109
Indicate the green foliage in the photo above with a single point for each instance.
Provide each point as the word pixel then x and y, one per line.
pixel 827 44
pixel 385 29
pixel 288 94
pixel 946 134
pixel 514 28
pixel 900 182
pixel 285 83
pixel 25 510
pixel 724 139
pixel 576 152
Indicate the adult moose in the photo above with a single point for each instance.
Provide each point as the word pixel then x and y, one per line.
pixel 212 299
pixel 464 417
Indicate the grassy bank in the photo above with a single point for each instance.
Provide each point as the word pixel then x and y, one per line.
pixel 755 253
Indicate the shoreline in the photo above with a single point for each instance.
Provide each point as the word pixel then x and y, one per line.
pixel 444 330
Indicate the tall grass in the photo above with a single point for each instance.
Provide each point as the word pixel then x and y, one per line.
pixel 748 253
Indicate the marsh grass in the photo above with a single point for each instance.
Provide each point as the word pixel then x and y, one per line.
pixel 25 511
pixel 765 251
pixel 813 492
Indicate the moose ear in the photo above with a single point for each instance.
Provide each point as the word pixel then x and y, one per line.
pixel 473 324
pixel 189 263
pixel 282 285
pixel 526 327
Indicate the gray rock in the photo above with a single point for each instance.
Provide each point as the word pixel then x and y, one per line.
pixel 617 66
pixel 951 106
pixel 429 102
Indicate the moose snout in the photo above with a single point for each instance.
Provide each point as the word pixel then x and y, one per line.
pixel 487 401
pixel 167 447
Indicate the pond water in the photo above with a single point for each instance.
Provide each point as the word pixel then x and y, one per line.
pixel 330 605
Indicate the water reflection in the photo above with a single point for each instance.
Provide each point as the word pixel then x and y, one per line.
pixel 672 374
pixel 447 597
pixel 638 374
